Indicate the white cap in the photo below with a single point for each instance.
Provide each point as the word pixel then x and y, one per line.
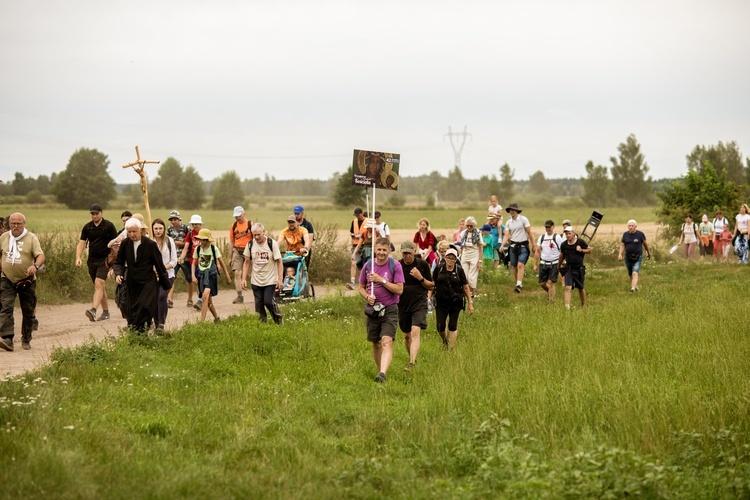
pixel 568 229
pixel 451 251
pixel 196 219
pixel 238 210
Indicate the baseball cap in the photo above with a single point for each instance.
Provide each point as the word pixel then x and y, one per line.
pixel 569 229
pixel 238 210
pixel 377 213
pixel 196 219
pixel 549 223
pixel 357 211
pixel 486 227
pixel 567 221
pixel 96 208
pixel 407 246
pixel 298 209
pixel 451 251
pixel 174 214
pixel 291 218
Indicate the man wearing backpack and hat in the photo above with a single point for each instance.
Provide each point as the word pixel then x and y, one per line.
pixel 412 305
pixel 518 233
pixel 178 231
pixel 548 253
pixel 191 242
pixel 240 235
pixel 299 214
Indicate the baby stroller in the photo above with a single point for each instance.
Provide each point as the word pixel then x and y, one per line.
pixel 302 287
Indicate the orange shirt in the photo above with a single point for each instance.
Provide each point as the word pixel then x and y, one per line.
pixel 240 233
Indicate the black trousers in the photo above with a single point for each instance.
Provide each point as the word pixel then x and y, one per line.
pixel 264 300
pixel 27 298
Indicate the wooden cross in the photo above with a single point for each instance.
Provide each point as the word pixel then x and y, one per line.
pixel 139 165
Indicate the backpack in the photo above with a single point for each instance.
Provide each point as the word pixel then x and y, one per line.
pixel 234 229
pixel 554 238
pixel 695 227
pixel 270 246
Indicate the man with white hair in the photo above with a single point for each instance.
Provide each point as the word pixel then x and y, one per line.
pixel 22 256
pixel 631 250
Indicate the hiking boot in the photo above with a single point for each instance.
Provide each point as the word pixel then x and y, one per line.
pixel 103 316
pixel 35 325
pixel 380 378
pixel 6 344
pixel 198 305
pixel 350 286
pixel 239 300
pixel 190 303
pixel 26 345
pixel 170 304
pixel 91 314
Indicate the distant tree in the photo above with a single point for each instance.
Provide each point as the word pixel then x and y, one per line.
pixel 598 190
pixel 134 195
pixel 346 193
pixel 455 187
pixel 506 184
pixel 722 157
pixel 629 173
pixel 696 194
pixel 228 192
pixel 85 181
pixel 43 184
pixel 22 185
pixel 191 195
pixel 34 197
pixel 538 184
pixel 164 190
pixel 488 186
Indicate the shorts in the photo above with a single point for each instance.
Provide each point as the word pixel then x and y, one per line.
pixel 98 269
pixel 238 260
pixel 518 257
pixel 186 270
pixel 385 326
pixel 417 316
pixel 707 250
pixel 208 280
pixel 574 278
pixel 548 272
pixel 633 267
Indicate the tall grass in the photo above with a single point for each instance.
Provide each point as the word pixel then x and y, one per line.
pixel 639 394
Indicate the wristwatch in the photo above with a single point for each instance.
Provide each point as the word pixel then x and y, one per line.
pixel 385 281
pixel 422 280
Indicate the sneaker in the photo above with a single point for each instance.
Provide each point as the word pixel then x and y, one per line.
pixel 91 314
pixel 429 307
pixel 103 316
pixel 35 325
pixel 518 288
pixel 350 286
pixel 170 304
pixel 380 378
pixel 26 345
pixel 409 367
pixel 239 300
pixel 190 303
pixel 198 305
pixel 6 344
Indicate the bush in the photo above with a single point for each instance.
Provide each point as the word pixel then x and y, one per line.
pixel 330 260
pixel 34 197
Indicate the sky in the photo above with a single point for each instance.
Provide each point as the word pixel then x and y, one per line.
pixel 289 88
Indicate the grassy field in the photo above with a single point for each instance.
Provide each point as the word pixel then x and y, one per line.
pixel 644 394
pixel 274 217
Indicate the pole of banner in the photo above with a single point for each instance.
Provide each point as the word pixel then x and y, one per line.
pixel 367 207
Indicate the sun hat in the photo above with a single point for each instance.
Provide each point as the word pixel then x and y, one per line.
pixel 204 234
pixel 298 209
pixel 407 246
pixel 174 214
pixel 451 251
pixel 238 210
pixel 513 206
pixel 196 219
pixel 493 217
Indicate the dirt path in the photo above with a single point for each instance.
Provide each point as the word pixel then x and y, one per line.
pixel 67 326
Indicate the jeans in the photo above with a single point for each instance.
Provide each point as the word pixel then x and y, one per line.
pixel 27 299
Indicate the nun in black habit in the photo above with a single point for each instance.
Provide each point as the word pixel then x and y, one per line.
pixel 140 258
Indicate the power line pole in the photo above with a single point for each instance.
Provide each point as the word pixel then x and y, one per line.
pixel 457 150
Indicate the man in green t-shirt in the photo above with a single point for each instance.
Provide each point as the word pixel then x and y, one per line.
pixel 22 256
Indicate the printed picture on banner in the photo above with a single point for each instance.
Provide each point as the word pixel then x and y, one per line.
pixel 375 169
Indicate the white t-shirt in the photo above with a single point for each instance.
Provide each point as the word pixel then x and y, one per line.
pixel 689 231
pixel 382 230
pixel 742 222
pixel 719 224
pixel 263 261
pixel 550 245
pixel 517 228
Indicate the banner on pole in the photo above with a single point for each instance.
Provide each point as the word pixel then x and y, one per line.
pixel 376 169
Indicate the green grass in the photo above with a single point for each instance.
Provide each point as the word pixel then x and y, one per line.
pixel 640 394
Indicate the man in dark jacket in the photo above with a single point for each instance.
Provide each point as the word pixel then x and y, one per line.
pixel 141 256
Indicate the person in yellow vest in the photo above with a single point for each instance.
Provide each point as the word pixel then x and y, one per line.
pixel 356 232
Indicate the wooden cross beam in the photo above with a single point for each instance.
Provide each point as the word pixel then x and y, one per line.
pixel 139 166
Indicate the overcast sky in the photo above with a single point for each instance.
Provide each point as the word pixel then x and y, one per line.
pixel 290 88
